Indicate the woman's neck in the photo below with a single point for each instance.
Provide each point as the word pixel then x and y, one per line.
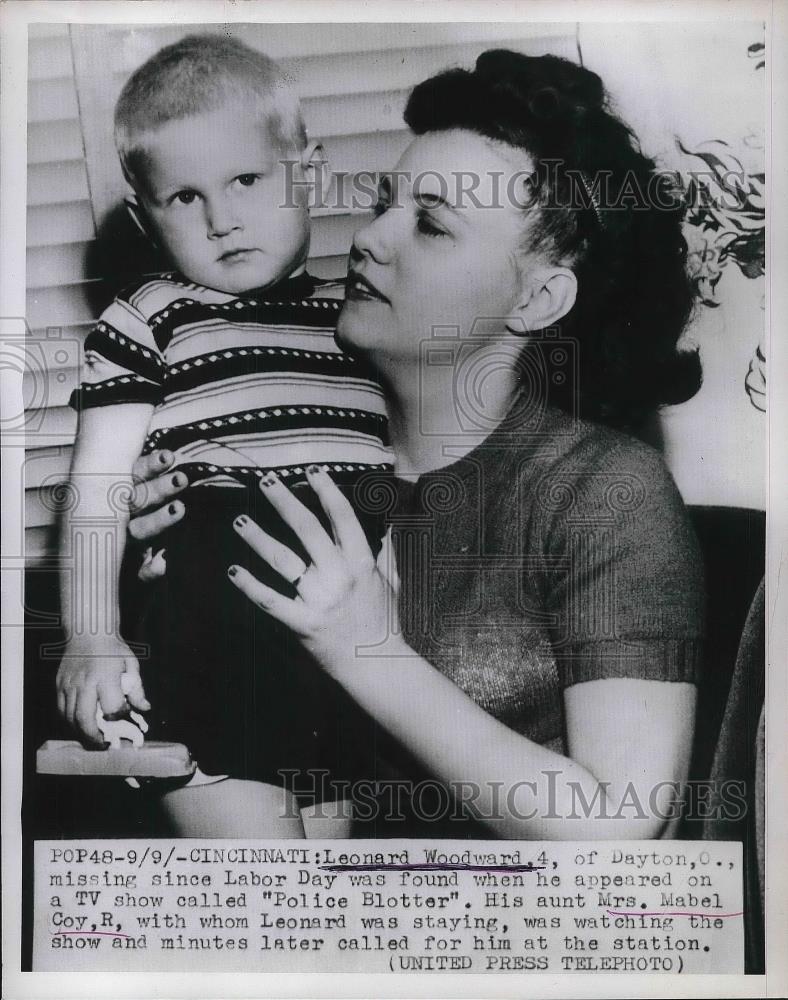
pixel 443 408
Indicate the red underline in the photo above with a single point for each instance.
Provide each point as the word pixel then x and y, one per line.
pixel 94 933
pixel 671 913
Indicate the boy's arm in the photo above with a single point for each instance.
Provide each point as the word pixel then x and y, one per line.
pixel 92 541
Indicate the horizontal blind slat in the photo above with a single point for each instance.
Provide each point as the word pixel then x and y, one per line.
pixel 133 44
pixel 52 142
pixel 49 58
pixel 62 223
pixel 47 466
pixel 76 332
pixel 53 183
pixel 332 236
pixel 50 100
pixel 41 30
pixel 53 387
pixel 329 267
pixel 370 151
pixel 59 306
pixel 354 113
pixel 56 422
pixel 56 265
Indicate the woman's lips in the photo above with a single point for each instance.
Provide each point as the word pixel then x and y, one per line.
pixel 360 289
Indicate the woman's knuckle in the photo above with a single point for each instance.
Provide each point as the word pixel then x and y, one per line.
pixel 302 522
pixel 366 564
pixel 278 562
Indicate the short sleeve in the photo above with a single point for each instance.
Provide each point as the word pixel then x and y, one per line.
pixel 628 600
pixel 122 362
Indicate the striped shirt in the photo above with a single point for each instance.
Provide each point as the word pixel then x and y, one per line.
pixel 241 385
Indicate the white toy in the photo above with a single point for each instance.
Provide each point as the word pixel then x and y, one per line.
pixel 128 755
pixel 115 730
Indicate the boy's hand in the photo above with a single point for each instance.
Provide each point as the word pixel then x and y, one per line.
pixel 90 675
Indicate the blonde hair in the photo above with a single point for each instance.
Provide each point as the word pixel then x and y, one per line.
pixel 196 74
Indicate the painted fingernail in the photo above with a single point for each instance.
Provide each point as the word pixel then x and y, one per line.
pixel 232 571
pixel 269 479
pixel 313 470
pixel 164 458
pixel 240 522
pixel 179 479
pixel 173 509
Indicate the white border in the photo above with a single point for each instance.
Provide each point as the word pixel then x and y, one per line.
pixel 14 17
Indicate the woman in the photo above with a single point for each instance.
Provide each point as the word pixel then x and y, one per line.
pixel 537 656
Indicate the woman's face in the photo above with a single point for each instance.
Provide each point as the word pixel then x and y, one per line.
pixel 443 251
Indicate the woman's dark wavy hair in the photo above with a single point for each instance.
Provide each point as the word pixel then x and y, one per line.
pixel 634 297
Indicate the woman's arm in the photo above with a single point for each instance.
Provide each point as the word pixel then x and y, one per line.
pixel 626 739
pixel 346 616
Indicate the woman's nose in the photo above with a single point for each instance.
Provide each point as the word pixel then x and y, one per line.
pixel 376 238
pixel 221 217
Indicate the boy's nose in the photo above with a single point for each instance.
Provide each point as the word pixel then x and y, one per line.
pixel 221 218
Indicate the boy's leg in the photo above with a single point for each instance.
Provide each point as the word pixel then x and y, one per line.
pixel 328 820
pixel 235 809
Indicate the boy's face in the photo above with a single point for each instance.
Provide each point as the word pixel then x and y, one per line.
pixel 216 191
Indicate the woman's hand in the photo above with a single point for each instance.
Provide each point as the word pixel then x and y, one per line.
pixel 346 604
pixel 152 507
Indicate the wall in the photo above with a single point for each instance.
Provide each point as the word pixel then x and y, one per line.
pixel 698 84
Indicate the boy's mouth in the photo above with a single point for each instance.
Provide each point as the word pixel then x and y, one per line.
pixel 360 289
pixel 236 256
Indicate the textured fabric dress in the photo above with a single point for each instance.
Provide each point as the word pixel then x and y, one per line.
pixel 559 551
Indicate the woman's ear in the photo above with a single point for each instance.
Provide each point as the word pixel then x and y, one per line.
pixel 139 216
pixel 317 172
pixel 548 295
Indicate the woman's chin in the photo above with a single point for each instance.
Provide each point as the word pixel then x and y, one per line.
pixel 353 332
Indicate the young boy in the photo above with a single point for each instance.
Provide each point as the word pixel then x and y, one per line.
pixel 230 363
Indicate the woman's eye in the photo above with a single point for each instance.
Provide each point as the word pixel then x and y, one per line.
pixel 247 180
pixel 184 197
pixel 427 226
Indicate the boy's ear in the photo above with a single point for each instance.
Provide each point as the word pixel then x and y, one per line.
pixel 317 172
pixel 139 216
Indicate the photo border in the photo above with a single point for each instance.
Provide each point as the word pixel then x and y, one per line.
pixel 14 18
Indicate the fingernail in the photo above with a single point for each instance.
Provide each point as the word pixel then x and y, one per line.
pixel 178 479
pixel 173 509
pixel 269 479
pixel 164 458
pixel 240 522
pixel 232 571
pixel 313 470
